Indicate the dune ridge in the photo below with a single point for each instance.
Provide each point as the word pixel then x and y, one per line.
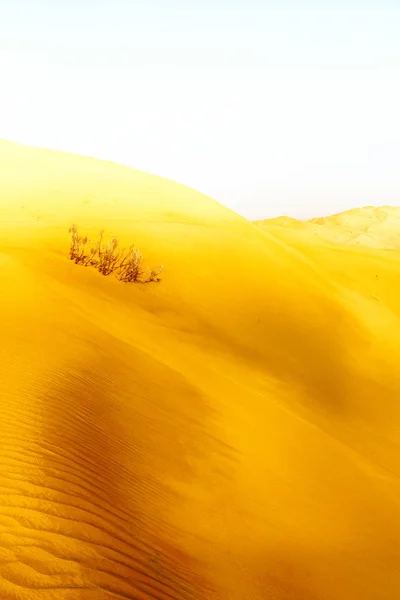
pixel 229 433
pixel 370 226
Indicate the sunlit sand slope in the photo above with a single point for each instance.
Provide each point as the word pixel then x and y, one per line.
pixel 229 433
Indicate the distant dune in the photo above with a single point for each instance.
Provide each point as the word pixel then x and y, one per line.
pixel 376 227
pixel 230 433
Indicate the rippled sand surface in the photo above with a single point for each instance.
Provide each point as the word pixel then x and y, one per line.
pixel 231 433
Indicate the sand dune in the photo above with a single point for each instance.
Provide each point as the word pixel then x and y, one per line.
pixel 232 432
pixel 376 227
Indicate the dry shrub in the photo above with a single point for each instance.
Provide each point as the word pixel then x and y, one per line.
pixel 127 264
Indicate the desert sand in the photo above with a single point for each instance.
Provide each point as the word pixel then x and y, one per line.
pixel 376 227
pixel 229 433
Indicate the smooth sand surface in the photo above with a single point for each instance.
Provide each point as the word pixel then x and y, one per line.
pixel 230 433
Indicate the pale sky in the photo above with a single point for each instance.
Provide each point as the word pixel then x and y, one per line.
pixel 270 107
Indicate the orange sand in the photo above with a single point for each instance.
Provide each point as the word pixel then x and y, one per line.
pixel 231 433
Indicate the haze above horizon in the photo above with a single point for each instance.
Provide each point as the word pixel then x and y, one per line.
pixel 270 108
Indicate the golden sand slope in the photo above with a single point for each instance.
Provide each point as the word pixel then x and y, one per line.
pixel 231 433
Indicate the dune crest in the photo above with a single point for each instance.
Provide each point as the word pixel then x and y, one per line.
pixel 231 432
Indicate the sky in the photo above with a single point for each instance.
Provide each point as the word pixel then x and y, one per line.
pixel 272 108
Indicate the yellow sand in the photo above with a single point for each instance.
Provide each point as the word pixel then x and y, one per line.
pixel 231 433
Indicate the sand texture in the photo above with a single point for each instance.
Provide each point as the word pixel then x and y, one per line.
pixel 229 433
